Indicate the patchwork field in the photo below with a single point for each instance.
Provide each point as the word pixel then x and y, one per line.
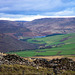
pixel 51 40
pixel 54 46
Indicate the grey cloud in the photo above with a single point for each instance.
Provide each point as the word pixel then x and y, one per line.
pixel 45 6
pixel 27 5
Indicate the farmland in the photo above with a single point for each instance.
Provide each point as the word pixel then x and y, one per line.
pixel 66 38
pixel 61 45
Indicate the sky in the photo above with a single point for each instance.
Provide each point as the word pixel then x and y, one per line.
pixel 29 10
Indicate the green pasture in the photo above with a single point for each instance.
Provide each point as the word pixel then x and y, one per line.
pixel 53 39
pixel 64 50
pixel 67 48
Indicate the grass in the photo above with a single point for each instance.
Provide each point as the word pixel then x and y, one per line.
pixel 20 69
pixel 46 40
pixel 28 70
pixel 64 50
pixel 68 48
pixel 52 39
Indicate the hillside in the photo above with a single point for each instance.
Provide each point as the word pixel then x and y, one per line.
pixel 46 26
pixel 13 28
pixel 8 43
pixel 38 27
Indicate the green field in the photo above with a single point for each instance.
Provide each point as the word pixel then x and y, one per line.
pixel 60 46
pixel 53 39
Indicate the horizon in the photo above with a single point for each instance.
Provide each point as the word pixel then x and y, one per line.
pixel 31 19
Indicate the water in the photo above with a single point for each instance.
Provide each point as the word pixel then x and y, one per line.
pixel 39 36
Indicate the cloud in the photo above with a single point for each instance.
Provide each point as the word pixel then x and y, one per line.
pixel 33 9
pixel 34 5
pixel 29 17
pixel 67 12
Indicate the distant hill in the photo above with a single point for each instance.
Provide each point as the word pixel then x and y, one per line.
pixel 12 28
pixel 8 43
pixel 15 29
pixel 46 26
pixel 38 27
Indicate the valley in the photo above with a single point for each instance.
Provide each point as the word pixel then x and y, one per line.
pixel 40 37
pixel 51 45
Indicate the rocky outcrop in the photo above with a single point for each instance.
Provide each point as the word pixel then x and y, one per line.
pixel 56 64
pixel 59 64
pixel 11 59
